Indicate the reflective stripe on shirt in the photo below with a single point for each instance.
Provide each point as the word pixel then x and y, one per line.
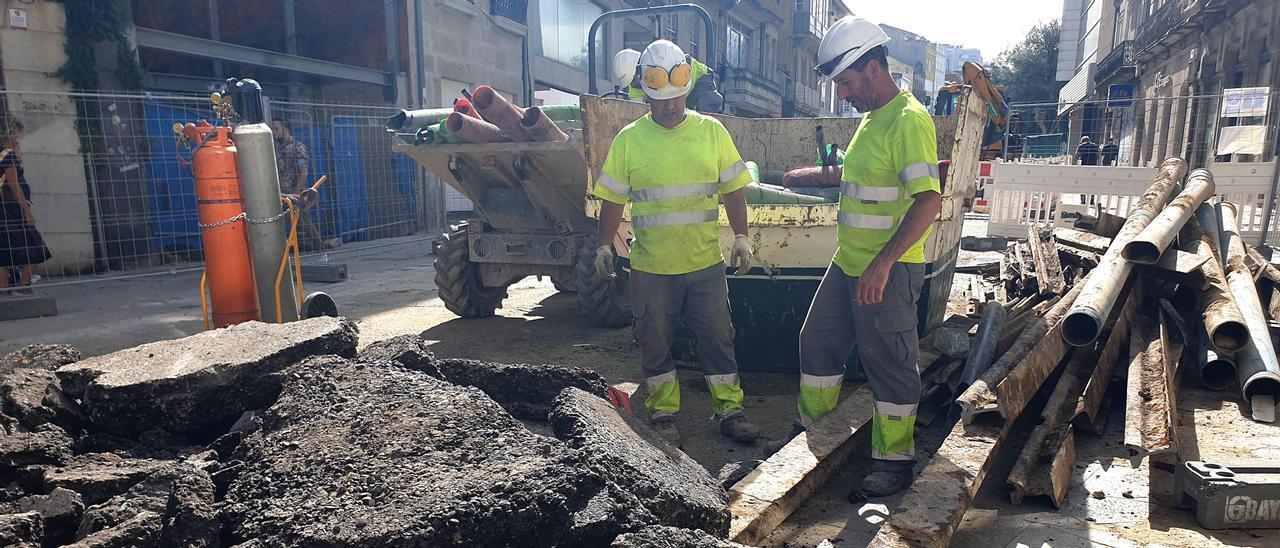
pixel 733 171
pixel 859 220
pixel 870 193
pixel 916 171
pixel 614 185
pixel 677 191
pixel 678 218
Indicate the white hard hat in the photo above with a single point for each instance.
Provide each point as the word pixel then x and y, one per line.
pixel 847 40
pixel 665 71
pixel 624 67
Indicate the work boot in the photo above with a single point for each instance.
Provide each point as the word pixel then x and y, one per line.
pixel 882 483
pixel 736 428
pixel 774 446
pixel 665 426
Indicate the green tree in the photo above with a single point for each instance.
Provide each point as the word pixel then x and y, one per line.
pixel 1028 70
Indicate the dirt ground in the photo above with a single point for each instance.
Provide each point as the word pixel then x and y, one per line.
pixel 389 292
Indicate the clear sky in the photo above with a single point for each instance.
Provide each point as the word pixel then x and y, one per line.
pixel 989 25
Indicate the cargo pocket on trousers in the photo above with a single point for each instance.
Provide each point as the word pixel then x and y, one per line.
pixel 893 328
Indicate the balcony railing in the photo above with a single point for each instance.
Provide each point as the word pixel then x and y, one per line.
pixel 1164 21
pixel 515 10
pixel 1121 57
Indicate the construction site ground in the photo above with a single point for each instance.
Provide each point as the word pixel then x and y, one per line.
pixel 390 292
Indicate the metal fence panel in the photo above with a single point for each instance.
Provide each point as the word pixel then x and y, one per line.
pixel 113 192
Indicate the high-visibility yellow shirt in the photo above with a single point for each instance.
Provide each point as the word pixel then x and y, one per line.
pixel 673 177
pixel 698 71
pixel 892 157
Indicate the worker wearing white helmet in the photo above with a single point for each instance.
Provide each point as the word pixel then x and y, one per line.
pixel 704 97
pixel 867 300
pixel 674 165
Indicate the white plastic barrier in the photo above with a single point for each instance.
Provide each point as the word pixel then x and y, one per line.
pixel 1022 194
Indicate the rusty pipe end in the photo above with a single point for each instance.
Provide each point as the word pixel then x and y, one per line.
pixel 531 116
pixel 1141 252
pixel 1081 327
pixel 454 122
pixel 1230 336
pixel 1218 373
pixel 1174 163
pixel 483 97
pixel 1261 383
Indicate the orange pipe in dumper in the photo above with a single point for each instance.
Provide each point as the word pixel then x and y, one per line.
pixel 226 246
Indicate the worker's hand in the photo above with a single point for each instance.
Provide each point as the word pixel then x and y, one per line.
pixel 604 262
pixel 741 256
pixel 872 282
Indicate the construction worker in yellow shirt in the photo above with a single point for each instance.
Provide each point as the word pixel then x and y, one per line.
pixel 703 96
pixel 867 300
pixel 672 164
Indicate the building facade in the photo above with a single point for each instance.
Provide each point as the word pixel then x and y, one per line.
pixel 1151 73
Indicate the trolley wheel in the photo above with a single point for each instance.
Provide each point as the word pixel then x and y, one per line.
pixel 319 304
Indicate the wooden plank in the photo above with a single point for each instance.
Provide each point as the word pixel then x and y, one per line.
pixel 1148 423
pixel 1082 240
pixel 932 509
pixel 1062 468
pixel 1044 252
pixel 1032 471
pixel 1094 390
pixel 1010 383
pixel 763 499
pixel 1261 266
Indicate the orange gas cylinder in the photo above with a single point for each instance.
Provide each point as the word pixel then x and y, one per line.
pixel 226 246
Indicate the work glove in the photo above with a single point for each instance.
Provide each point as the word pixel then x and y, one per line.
pixel 741 257
pixel 604 262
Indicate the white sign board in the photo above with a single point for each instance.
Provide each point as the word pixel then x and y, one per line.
pixel 1242 102
pixel 18 18
pixel 1242 140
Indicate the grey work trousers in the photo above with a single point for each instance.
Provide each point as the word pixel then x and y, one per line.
pixel 884 335
pixel 658 301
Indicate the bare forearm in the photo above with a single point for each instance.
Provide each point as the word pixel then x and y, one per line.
pixel 917 220
pixel 303 182
pixel 735 205
pixel 610 220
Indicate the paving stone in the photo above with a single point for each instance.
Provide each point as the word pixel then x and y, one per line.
pixel 197 386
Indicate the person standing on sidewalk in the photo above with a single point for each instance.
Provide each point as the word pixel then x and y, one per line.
pixel 292 158
pixel 671 165
pixel 890 194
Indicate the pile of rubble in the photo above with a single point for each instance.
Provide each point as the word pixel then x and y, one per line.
pixel 275 435
pixel 1072 318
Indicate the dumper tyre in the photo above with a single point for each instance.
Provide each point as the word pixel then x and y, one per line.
pixel 607 303
pixel 565 286
pixel 458 279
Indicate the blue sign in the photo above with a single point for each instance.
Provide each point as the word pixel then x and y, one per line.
pixel 1120 95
